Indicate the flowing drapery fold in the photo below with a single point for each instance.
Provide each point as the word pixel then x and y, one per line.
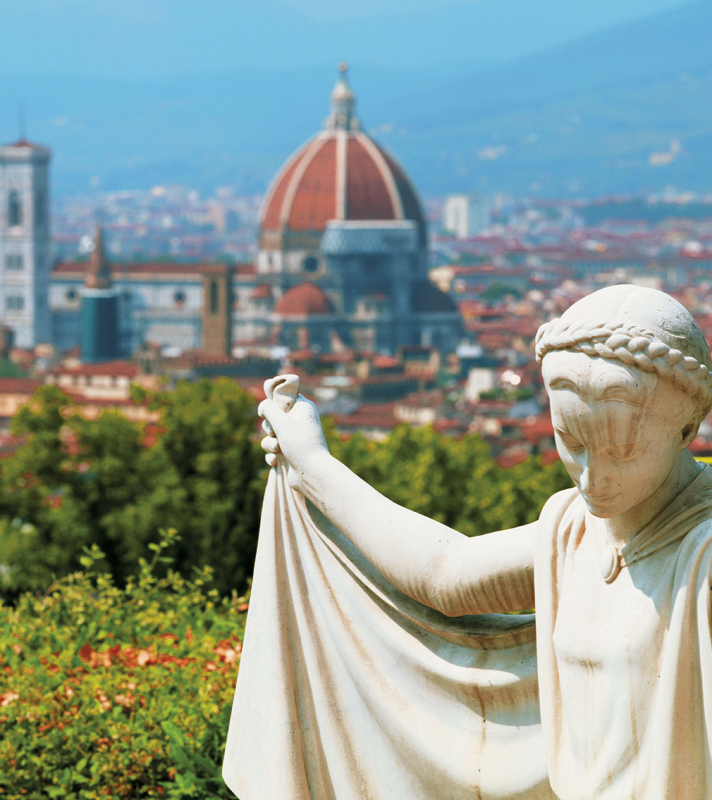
pixel 350 690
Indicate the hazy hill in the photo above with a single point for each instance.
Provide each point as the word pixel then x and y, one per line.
pixel 584 117
pixel 589 113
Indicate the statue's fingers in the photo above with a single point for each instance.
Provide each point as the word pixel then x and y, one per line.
pixel 267 428
pixel 270 445
pixel 272 412
pixel 271 459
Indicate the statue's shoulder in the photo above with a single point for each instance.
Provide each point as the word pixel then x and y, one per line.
pixel 563 513
pixel 559 505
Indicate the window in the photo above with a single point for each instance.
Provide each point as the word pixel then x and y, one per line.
pixel 310 264
pixel 14 209
pixel 72 295
pixel 14 262
pixel 15 302
pixel 213 297
pixel 179 298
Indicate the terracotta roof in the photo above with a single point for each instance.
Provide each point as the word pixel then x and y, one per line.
pixel 323 181
pixel 262 292
pixel 550 456
pixel 384 362
pixel 28 145
pixel 112 368
pixel 367 196
pixel 512 457
pixel 19 385
pixel 303 300
pixel 202 359
pixel 369 416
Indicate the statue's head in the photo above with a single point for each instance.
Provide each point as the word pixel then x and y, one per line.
pixel 627 370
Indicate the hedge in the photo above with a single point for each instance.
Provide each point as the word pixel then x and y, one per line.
pixel 120 693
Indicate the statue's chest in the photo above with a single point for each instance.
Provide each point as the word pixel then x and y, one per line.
pixel 616 627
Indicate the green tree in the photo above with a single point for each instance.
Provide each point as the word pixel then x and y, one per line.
pixel 114 483
pixel 215 457
pixel 453 481
pixel 77 482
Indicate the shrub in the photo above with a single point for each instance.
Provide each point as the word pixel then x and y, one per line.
pixel 110 692
pixel 112 482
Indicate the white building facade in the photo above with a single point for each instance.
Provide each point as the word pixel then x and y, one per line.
pixel 25 259
pixel 466 215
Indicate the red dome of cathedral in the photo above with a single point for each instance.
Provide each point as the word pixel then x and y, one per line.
pixel 340 174
pixel 303 300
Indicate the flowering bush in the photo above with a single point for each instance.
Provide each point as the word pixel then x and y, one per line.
pixel 109 692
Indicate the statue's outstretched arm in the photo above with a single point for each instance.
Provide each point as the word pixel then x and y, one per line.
pixel 428 561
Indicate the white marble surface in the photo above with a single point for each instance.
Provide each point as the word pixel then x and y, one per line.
pixel 364 673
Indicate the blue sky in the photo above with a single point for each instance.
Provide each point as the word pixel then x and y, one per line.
pixel 139 38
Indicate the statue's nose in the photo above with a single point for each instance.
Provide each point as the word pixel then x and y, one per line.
pixel 593 479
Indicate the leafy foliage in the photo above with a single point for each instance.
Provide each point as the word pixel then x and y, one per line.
pixel 452 481
pixel 117 682
pixel 115 483
pixel 110 692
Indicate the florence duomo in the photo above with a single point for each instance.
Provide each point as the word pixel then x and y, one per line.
pixel 342 261
pixel 344 246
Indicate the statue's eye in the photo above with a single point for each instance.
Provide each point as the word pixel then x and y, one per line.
pixel 622 452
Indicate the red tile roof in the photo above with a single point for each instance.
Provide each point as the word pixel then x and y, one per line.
pixel 366 193
pixel 29 145
pixel 314 203
pixel 512 457
pixel 368 416
pixel 26 386
pixel 271 215
pixel 303 300
pixel 113 368
pixel 262 292
pixel 308 192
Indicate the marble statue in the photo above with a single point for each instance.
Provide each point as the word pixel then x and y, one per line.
pixel 379 662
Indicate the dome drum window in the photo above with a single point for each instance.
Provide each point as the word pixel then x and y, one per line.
pixel 179 298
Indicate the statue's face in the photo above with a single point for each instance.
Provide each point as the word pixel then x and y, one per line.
pixel 618 429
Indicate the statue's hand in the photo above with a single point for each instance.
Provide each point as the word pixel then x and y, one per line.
pixel 293 429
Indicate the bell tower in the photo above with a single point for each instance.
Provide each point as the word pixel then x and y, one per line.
pixel 25 242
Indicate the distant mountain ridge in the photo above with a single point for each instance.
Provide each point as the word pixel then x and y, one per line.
pixel 621 110
pixel 589 113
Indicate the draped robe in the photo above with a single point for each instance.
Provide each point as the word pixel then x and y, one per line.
pixel 350 690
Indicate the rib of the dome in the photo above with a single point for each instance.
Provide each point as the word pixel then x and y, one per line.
pixel 339 175
pixel 411 205
pixel 367 196
pixel 314 201
pixel 374 151
pixel 276 193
